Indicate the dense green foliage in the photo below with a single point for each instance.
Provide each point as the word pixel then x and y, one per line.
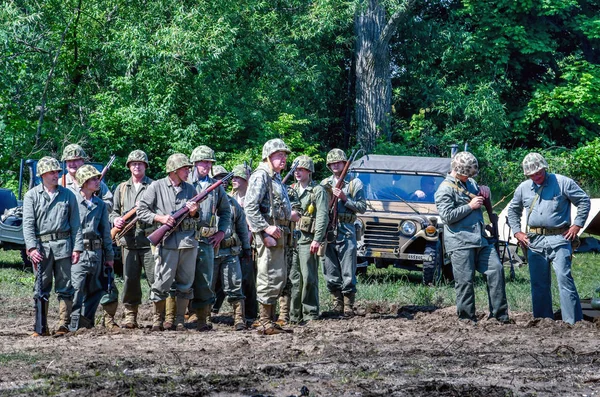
pixel 166 76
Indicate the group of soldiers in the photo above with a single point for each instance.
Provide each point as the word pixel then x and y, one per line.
pixel 262 245
pixel 258 247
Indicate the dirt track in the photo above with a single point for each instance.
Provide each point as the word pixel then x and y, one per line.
pixel 407 352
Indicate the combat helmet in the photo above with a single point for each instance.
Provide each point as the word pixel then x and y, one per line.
pixel 73 152
pixel 177 161
pixel 272 146
pixel 336 155
pixel 534 162
pixel 464 163
pixel 85 173
pixel 137 155
pixel 203 153
pixel 242 171
pixel 219 170
pixel 305 162
pixel 47 164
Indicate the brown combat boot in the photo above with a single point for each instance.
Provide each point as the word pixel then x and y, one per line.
pixel 180 314
pixel 349 304
pixel 202 313
pixel 192 317
pixel 284 310
pixel 268 327
pixel 239 315
pixel 338 302
pixel 131 312
pixel 108 317
pixel 170 311
pixel 159 315
pixel 64 317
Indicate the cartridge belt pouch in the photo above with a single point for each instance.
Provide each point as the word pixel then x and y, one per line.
pixel 346 217
pixel 307 224
pixel 92 245
pixel 187 224
pixel 282 223
pixel 232 241
pixel 205 231
pixel 45 238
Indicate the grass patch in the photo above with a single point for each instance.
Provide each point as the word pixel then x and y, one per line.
pixel 8 359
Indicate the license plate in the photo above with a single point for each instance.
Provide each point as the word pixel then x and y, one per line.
pixel 415 257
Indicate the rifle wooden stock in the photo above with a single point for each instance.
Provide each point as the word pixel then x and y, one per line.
pixel 115 230
pixel 160 234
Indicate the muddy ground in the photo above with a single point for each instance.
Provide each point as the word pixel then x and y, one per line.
pixel 390 351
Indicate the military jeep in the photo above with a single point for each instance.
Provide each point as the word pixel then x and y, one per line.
pixel 401 226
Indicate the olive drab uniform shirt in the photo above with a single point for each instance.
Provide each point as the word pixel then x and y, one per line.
pixel 214 213
pixel 95 224
pixel 260 212
pixel 311 204
pixel 45 216
pixel 355 203
pixel 163 198
pixel 105 193
pixel 236 236
pixel 463 227
pixel 125 198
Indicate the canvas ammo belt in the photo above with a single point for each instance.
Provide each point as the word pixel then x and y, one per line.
pixel 92 245
pixel 232 241
pixel 346 217
pixel 547 231
pixel 45 238
pixel 187 224
pixel 281 222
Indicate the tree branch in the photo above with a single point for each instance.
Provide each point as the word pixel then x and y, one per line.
pixel 390 27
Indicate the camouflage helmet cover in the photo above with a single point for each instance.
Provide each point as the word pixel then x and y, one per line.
pixel 336 155
pixel 305 162
pixel 202 153
pixel 219 170
pixel 464 163
pixel 272 146
pixel 534 162
pixel 85 173
pixel 177 161
pixel 137 155
pixel 242 171
pixel 73 152
pixel 47 164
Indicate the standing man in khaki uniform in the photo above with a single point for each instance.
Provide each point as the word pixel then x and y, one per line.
pixel 51 229
pixel 310 200
pixel 98 252
pixel 175 255
pixel 340 256
pixel 209 233
pixel 137 254
pixel 268 212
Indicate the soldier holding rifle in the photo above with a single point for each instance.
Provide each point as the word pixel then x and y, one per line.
pixel 135 246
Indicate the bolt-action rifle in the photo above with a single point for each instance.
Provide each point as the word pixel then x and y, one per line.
pixel 107 167
pixel 161 234
pixel 130 218
pixel 333 211
pixel 41 304
pixel 289 174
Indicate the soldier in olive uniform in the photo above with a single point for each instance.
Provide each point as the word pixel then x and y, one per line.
pixel 459 200
pixel 51 229
pixel 98 252
pixel 176 254
pixel 227 268
pixel 210 232
pixel 340 255
pixel 137 254
pixel 268 212
pixel 310 200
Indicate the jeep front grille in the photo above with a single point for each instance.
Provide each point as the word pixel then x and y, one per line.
pixel 382 236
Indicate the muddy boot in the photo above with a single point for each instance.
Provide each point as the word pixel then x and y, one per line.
pixel 180 314
pixel 192 317
pixel 170 310
pixel 108 317
pixel 268 327
pixel 131 312
pixel 159 315
pixel 202 313
pixel 64 317
pixel 239 317
pixel 338 302
pixel 284 310
pixel 349 304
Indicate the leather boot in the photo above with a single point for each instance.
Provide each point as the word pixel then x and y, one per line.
pixel 108 318
pixel 284 310
pixel 159 315
pixel 131 312
pixel 192 317
pixel 180 315
pixel 349 304
pixel 338 302
pixel 170 310
pixel 268 327
pixel 202 313
pixel 64 317
pixel 239 315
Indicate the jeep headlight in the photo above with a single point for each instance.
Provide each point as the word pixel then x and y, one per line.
pixel 408 228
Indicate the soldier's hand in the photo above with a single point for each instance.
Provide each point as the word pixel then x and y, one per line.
pixel 165 220
pixel 193 207
pixel 119 223
pixel 216 238
pixel 295 216
pixel 339 193
pixel 476 202
pixel 35 256
pixel 110 264
pixel 273 231
pixel 572 232
pixel 522 239
pixel 75 257
pixel 314 247
pixel 484 191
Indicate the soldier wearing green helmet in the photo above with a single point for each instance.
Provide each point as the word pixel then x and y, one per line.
pixel 176 255
pixel 74 157
pixel 98 253
pixel 268 213
pixel 549 234
pixel 339 264
pixel 51 230
pixel 136 252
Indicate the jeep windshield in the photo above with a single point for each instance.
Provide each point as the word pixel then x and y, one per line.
pixel 399 187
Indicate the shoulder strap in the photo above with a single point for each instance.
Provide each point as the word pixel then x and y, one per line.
pixel 532 205
pixel 459 189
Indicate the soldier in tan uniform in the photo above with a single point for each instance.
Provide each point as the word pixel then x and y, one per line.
pixel 51 229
